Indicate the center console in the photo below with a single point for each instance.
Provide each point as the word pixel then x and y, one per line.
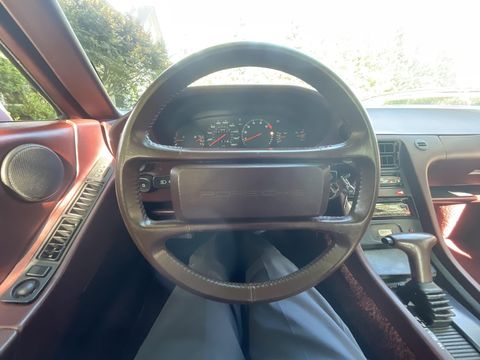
pixel 395 210
pixel 396 217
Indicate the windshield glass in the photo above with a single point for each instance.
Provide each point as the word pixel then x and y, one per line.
pixel 424 51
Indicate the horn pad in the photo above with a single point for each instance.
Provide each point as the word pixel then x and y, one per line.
pixel 225 192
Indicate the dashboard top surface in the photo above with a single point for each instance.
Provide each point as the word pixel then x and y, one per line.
pixel 425 120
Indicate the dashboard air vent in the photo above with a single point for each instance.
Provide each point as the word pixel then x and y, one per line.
pixel 421 144
pixel 59 239
pixel 389 154
pixel 86 199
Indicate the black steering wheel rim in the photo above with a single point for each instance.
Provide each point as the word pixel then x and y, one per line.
pixel 136 148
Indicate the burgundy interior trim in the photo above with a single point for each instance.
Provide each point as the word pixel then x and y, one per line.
pixel 456 200
pixel 106 130
pixel 43 323
pixel 8 341
pixel 456 171
pixel 78 157
pixel 47 28
pixel 459 223
pixel 115 131
pixel 16 236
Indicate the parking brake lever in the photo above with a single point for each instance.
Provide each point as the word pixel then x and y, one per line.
pixel 431 303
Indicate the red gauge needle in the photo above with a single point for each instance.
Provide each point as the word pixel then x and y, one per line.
pixel 252 137
pixel 217 139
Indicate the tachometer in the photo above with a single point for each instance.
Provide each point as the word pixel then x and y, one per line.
pixel 257 133
pixel 223 133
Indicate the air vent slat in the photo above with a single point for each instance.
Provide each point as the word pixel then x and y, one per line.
pixel 85 200
pixel 389 154
pixel 68 227
pixel 59 239
pixel 64 232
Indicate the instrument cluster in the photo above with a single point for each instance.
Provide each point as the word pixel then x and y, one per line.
pixel 247 117
pixel 250 131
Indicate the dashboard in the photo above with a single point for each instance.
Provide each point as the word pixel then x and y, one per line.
pixel 422 149
pixel 237 117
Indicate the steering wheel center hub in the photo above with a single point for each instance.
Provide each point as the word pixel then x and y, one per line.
pixel 226 192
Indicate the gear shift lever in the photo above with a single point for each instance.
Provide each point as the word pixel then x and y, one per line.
pixel 431 303
pixel 418 247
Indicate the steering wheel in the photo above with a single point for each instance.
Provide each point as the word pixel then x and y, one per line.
pixel 204 182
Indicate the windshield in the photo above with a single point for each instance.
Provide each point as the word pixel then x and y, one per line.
pixel 377 47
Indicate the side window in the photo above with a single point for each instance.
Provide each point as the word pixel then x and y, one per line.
pixel 19 99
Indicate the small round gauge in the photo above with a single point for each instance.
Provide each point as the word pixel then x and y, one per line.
pixel 287 134
pixel 189 136
pixel 222 133
pixel 300 135
pixel 257 133
pixel 290 138
pixel 281 137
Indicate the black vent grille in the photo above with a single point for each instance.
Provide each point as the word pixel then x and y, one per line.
pixel 455 343
pixel 58 241
pixel 389 154
pixel 86 199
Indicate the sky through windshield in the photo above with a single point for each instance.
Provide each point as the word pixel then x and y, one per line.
pixel 375 46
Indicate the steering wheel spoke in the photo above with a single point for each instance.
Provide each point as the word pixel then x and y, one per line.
pixel 155 233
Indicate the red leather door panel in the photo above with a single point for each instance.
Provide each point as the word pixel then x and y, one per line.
pixel 78 144
pixel 24 226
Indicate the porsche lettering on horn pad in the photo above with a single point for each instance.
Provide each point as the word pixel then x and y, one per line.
pixel 249 191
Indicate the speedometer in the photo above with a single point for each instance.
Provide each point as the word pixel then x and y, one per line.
pixel 222 133
pixel 257 133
